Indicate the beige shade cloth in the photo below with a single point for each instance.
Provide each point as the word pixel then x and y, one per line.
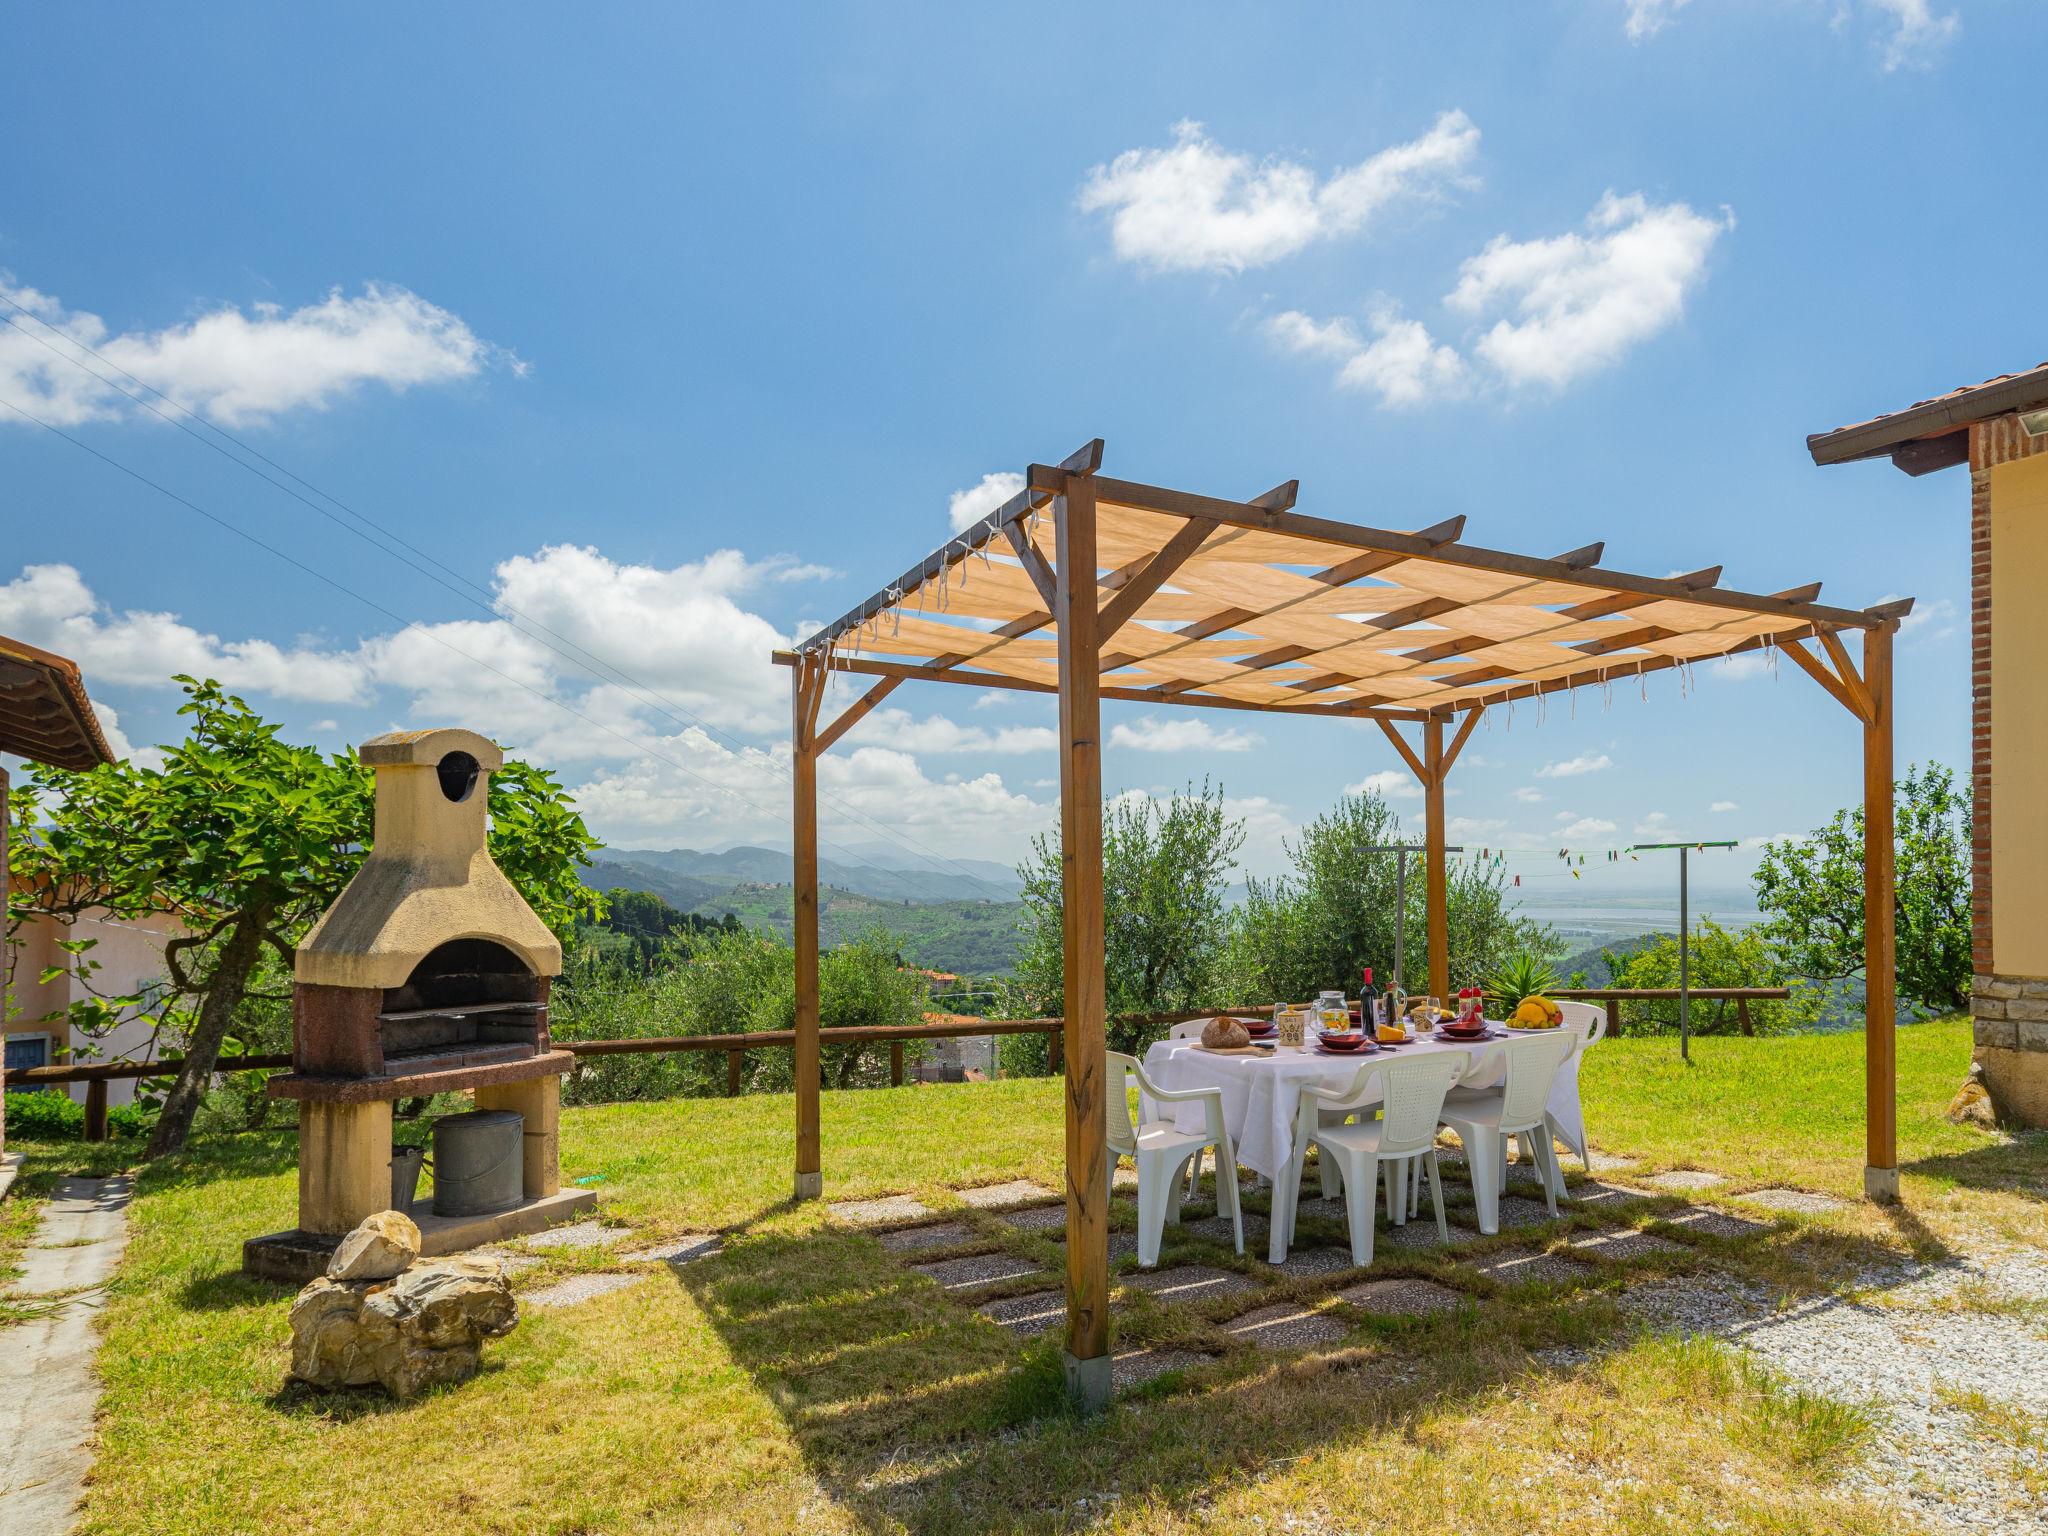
pixel 1281 620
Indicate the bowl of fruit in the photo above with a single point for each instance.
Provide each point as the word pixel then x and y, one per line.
pixel 1533 1015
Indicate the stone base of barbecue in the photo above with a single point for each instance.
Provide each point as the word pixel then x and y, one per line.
pixel 298 1258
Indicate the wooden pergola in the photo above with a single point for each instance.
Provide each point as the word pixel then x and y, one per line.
pixel 1088 588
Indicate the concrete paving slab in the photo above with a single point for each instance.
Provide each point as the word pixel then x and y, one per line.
pixel 1134 1367
pixel 578 1234
pixel 886 1211
pixel 1037 1218
pixel 48 1388
pixel 1717 1223
pixel 1512 1266
pixel 1627 1245
pixel 1685 1180
pixel 1028 1315
pixel 983 1269
pixel 1800 1202
pixel 1402 1297
pixel 1287 1326
pixel 942 1234
pixel 1189 1282
pixel 567 1293
pixel 678 1250
pixel 995 1197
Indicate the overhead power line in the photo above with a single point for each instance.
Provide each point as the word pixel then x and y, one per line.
pixel 404 624
pixel 584 660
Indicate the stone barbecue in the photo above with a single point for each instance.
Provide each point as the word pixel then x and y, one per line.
pixel 429 974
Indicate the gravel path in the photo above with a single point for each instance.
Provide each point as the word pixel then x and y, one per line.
pixel 1901 1351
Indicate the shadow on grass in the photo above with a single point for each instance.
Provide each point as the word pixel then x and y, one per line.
pixel 895 1391
pixel 230 1290
pixel 2015 1167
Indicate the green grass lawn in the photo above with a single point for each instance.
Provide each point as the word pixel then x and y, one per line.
pixel 805 1379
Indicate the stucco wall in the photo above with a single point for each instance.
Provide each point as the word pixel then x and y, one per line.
pixel 130 957
pixel 2019 727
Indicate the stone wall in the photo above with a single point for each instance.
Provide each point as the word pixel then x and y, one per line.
pixel 2010 1018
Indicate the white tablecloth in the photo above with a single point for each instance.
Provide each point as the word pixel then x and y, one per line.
pixel 1261 1093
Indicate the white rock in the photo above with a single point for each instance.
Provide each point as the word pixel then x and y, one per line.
pixel 380 1249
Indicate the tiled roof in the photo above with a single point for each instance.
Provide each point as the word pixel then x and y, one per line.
pixel 1935 416
pixel 44 713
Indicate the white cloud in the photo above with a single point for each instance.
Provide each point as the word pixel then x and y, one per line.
pixel 1719 807
pixel 1388 784
pixel 1196 206
pixel 680 631
pixel 1918 35
pixel 1578 302
pixel 1574 767
pixel 1586 826
pixel 1403 365
pixel 1528 794
pixel 237 368
pixel 1936 620
pixel 1915 39
pixel 51 606
pixel 1656 824
pixel 1149 733
pixel 700 791
pixel 1646 18
pixel 991 698
pixel 117 740
pixel 968 507
pixel 935 733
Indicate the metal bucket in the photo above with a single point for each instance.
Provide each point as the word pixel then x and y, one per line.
pixel 478 1160
pixel 405 1176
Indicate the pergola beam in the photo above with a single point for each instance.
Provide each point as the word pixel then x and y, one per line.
pixel 1412 546
pixel 911 671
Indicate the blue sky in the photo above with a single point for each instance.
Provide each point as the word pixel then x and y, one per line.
pixel 675 332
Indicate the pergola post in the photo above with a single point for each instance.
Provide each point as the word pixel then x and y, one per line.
pixel 1436 890
pixel 807 692
pixel 1088 1167
pixel 1880 956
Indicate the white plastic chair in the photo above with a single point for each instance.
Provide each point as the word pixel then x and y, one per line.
pixel 1191 1029
pixel 1403 1136
pixel 1159 1148
pixel 1589 1022
pixel 1485 1120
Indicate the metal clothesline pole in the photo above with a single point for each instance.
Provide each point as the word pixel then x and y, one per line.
pixel 1401 896
pixel 1684 935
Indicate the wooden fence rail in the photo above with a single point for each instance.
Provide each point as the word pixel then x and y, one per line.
pixel 96 1075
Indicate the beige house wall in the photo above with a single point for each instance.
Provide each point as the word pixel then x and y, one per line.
pixel 2019 727
pixel 130 955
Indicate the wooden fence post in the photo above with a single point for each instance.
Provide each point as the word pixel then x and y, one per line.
pixel 1055 1050
pixel 1742 1020
pixel 735 1067
pixel 96 1110
pixel 1614 1016
pixel 895 1063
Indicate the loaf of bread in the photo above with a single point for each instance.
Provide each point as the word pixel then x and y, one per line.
pixel 1224 1034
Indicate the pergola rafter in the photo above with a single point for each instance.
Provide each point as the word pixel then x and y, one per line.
pixel 1092 588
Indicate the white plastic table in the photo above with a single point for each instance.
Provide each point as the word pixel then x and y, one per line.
pixel 1261 1093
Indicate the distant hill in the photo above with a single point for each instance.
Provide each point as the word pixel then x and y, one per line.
pixel 972 938
pixel 959 919
pixel 876 872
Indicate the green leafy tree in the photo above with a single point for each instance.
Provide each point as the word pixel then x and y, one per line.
pixel 1811 893
pixel 1719 957
pixel 1333 914
pixel 1166 869
pixel 246 839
